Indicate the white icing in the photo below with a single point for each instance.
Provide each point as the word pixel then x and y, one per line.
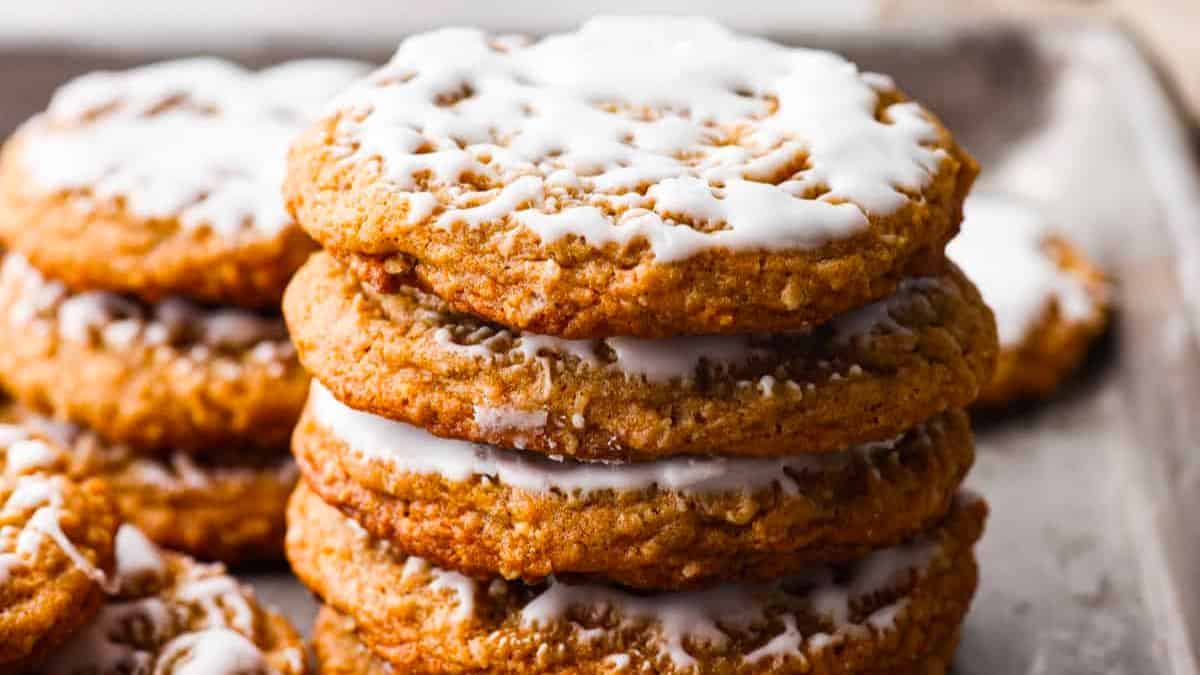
pixel 677 358
pixel 24 456
pixel 121 323
pixel 200 140
pixel 159 634
pixel 636 128
pixel 214 651
pixel 221 598
pixel 463 589
pixel 99 646
pixel 1002 249
pixel 503 419
pixel 705 616
pixel 43 496
pixel 411 449
pixel 136 555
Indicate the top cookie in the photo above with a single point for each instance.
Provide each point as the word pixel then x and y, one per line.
pixel 643 177
pixel 165 179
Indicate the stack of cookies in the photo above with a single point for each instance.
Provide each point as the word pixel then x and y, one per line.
pixel 634 349
pixel 148 248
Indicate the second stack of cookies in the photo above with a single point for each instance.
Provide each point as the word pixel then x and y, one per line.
pixel 147 252
pixel 618 370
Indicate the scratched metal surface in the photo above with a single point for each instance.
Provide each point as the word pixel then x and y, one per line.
pixel 1091 560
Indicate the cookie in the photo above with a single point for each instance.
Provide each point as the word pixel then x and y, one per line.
pixel 56 550
pixel 164 180
pixel 226 506
pixel 644 177
pixel 340 652
pixel 891 612
pixel 172 616
pixel 867 376
pixel 338 649
pixel 664 524
pixel 1050 301
pixel 170 375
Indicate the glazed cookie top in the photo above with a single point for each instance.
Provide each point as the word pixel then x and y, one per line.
pixel 189 150
pixel 56 446
pixel 1007 249
pixel 56 548
pixel 631 143
pixel 172 616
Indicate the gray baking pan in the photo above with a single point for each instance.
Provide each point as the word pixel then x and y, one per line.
pixel 1091 560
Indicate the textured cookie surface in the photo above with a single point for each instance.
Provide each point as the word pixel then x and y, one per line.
pixel 169 615
pixel 341 652
pixel 165 179
pixel 56 550
pixel 867 376
pixel 887 613
pixel 338 649
pixel 171 375
pixel 644 177
pixel 226 506
pixel 664 524
pixel 1050 301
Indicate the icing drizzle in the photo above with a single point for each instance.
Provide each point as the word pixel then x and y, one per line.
pixel 411 449
pixel 200 140
pixel 671 359
pixel 669 130
pixel 198 623
pixel 681 620
pixel 118 322
pixel 1002 248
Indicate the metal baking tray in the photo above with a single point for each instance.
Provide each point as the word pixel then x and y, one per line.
pixel 1092 556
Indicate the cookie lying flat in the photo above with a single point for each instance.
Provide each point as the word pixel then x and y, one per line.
pixel 1050 301
pixel 663 524
pixel 226 506
pixel 889 613
pixel 164 180
pixel 56 548
pixel 169 615
pixel 645 177
pixel 867 376
pixel 171 375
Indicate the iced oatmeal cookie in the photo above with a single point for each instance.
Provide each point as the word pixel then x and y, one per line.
pixel 867 375
pixel 636 177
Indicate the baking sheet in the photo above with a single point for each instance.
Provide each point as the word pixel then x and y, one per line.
pixel 1091 556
